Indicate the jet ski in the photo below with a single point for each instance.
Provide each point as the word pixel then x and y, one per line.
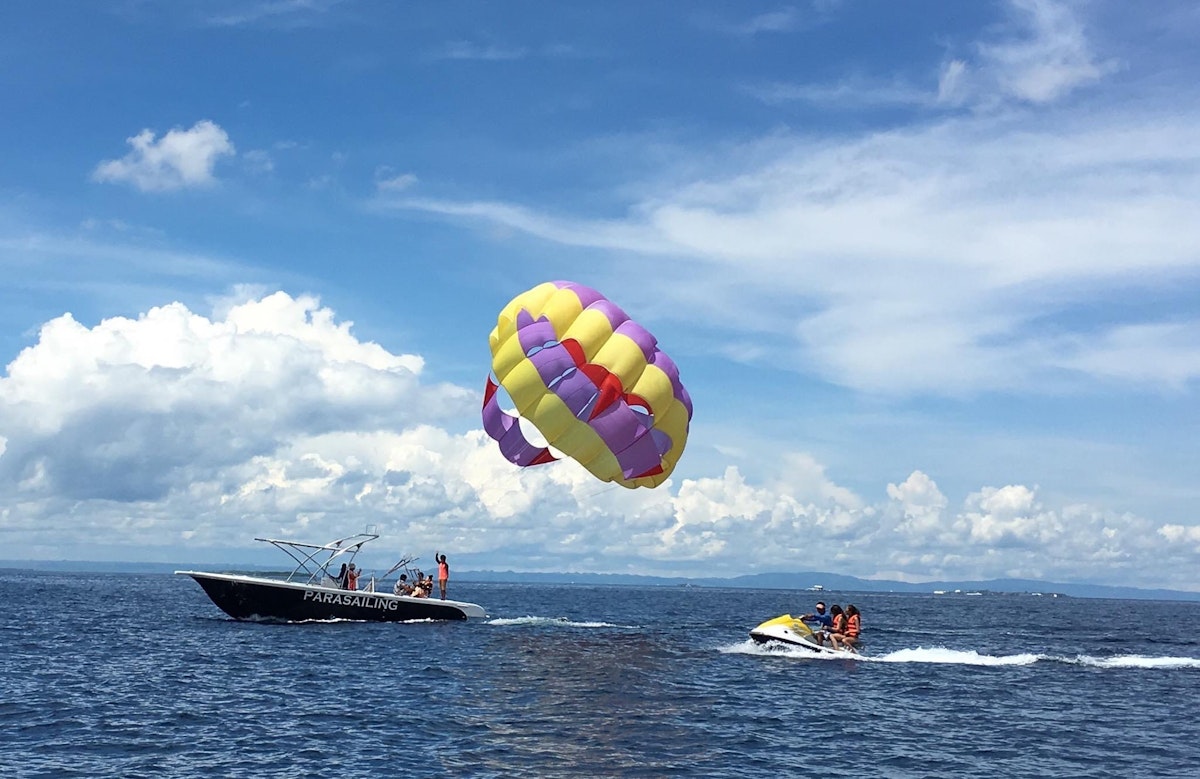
pixel 792 631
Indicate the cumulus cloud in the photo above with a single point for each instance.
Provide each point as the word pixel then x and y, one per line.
pixel 132 409
pixel 180 159
pixel 922 505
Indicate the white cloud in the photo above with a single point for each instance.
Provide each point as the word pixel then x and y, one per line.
pixel 1160 354
pixel 280 12
pixel 952 82
pixel 928 260
pixel 259 161
pixel 465 50
pixel 180 159
pixel 1008 515
pixel 1181 534
pixel 173 394
pixel 854 91
pixel 468 50
pixel 387 180
pixel 922 504
pixel 784 19
pixel 1051 58
pixel 1042 57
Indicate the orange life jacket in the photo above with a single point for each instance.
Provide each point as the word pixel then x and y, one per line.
pixel 839 624
pixel 853 626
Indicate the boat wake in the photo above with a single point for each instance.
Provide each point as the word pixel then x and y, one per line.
pixel 561 622
pixel 943 655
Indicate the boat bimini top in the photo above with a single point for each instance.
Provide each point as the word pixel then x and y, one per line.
pixel 313 560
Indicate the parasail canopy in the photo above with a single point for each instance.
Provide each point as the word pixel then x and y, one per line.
pixel 591 380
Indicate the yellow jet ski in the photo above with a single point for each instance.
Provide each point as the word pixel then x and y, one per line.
pixel 790 630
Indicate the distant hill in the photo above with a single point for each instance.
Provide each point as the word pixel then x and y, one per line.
pixel 765 581
pixel 837 583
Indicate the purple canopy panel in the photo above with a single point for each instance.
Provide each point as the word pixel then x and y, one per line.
pixel 640 336
pixel 553 363
pixel 533 333
pixel 506 430
pixel 611 311
pixel 642 456
pixel 587 296
pixel 578 392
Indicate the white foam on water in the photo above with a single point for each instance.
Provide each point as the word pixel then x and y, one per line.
pixel 1135 661
pixel 918 655
pixel 749 647
pixel 954 657
pixel 780 649
pixel 555 622
pixel 335 621
pixel 943 655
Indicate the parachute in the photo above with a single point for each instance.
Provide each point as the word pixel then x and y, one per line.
pixel 591 380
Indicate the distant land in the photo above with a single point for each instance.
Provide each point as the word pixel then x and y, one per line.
pixel 804 580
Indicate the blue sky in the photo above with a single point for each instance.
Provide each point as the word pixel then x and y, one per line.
pixel 930 271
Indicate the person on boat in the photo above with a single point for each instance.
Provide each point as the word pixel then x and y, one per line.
pixel 402 585
pixel 352 575
pixel 824 622
pixel 443 573
pixel 340 579
pixel 847 637
pixel 419 591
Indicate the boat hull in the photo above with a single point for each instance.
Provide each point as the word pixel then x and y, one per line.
pixel 256 598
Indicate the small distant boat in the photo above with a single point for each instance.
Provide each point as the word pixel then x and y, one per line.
pixel 310 591
pixel 792 631
pixel 816 588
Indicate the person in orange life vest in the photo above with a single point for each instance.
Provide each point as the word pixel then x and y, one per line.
pixel 443 573
pixel 352 575
pixel 847 638
pixel 837 621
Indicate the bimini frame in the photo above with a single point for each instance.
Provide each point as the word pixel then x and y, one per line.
pixel 307 556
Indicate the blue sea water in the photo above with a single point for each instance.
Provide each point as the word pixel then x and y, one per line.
pixel 107 675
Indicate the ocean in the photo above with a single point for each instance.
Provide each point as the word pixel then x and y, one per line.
pixel 109 675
